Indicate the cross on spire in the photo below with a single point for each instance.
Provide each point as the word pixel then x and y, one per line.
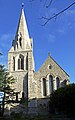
pixel 48 54
pixel 22 5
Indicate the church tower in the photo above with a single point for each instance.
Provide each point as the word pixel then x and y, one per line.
pixel 20 59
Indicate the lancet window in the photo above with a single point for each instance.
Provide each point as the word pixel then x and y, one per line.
pixel 21 62
pixel 44 87
pixel 20 41
pixel 57 82
pixel 51 86
pixel 13 63
pixel 27 62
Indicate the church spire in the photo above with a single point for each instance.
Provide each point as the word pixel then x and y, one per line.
pixel 22 30
pixel 22 26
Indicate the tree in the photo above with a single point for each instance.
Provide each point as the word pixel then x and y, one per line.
pixel 47 4
pixel 6 81
pixel 0 53
pixel 63 100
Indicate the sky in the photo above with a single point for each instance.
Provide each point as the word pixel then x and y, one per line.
pixel 1 97
pixel 56 37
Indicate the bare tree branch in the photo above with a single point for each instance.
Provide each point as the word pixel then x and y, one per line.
pixel 0 53
pixel 48 3
pixel 57 14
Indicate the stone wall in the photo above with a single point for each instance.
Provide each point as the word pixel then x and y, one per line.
pixel 45 71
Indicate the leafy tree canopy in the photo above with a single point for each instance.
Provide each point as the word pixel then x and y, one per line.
pixel 6 80
pixel 63 100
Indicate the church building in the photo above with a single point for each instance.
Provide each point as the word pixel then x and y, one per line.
pixel 32 85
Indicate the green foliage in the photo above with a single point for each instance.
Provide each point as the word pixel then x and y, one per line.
pixel 24 102
pixel 6 80
pixel 63 100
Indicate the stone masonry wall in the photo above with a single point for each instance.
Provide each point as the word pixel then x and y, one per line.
pixel 45 71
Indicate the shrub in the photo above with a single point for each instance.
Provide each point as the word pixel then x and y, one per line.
pixel 63 100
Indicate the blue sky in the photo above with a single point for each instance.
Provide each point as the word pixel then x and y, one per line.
pixel 57 37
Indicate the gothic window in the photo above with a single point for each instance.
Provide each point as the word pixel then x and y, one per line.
pixel 57 82
pixel 51 86
pixel 21 62
pixel 27 62
pixel 22 95
pixel 44 87
pixel 18 63
pixel 16 96
pixel 14 63
pixel 20 41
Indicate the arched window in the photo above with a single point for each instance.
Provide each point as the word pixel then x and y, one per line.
pixel 27 62
pixel 51 86
pixel 16 96
pixel 57 82
pixel 14 63
pixel 44 87
pixel 18 64
pixel 21 62
pixel 20 41
pixel 22 95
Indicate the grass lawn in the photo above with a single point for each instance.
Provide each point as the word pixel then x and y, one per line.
pixel 41 117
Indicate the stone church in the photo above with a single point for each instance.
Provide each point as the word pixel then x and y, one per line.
pixel 32 85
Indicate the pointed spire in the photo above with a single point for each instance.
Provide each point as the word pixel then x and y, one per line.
pixel 22 30
pixel 22 26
